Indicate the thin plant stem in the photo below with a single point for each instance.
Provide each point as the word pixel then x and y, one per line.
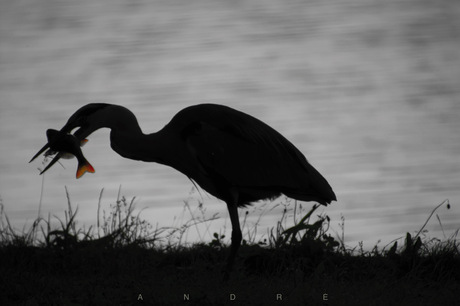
pixel 99 210
pixel 429 217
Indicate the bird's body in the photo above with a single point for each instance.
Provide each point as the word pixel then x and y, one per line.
pixel 222 150
pixel 230 154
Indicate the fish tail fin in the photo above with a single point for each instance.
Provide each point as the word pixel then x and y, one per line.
pixel 84 167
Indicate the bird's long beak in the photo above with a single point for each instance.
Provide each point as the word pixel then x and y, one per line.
pixel 55 159
pixel 46 146
pixel 40 152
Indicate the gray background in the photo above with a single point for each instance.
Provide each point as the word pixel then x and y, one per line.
pixel 368 90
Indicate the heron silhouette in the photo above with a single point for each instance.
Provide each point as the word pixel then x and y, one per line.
pixel 232 155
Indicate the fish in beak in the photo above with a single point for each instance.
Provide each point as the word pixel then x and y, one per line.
pixel 65 145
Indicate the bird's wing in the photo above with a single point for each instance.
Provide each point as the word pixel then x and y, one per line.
pixel 235 149
pixel 246 152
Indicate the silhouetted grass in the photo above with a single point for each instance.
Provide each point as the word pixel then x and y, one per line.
pixel 123 260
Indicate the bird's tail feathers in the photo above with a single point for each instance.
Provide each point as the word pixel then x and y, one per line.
pixel 314 188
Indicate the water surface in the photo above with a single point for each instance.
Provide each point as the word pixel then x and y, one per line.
pixel 367 90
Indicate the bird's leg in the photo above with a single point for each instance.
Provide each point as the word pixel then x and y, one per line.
pixel 236 236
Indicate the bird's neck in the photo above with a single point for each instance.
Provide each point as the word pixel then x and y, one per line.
pixel 128 140
pixel 134 144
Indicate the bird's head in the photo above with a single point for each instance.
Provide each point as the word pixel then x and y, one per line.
pixel 88 119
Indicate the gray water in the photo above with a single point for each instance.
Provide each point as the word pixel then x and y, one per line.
pixel 369 91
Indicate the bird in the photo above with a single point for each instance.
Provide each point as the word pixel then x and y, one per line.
pixel 230 154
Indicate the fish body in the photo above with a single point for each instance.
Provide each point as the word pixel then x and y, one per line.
pixel 66 146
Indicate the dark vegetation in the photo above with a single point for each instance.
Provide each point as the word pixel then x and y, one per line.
pixel 125 261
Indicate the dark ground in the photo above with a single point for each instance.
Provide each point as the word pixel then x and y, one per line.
pixel 301 275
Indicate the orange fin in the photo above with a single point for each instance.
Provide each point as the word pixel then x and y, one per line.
pixel 83 142
pixel 82 169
